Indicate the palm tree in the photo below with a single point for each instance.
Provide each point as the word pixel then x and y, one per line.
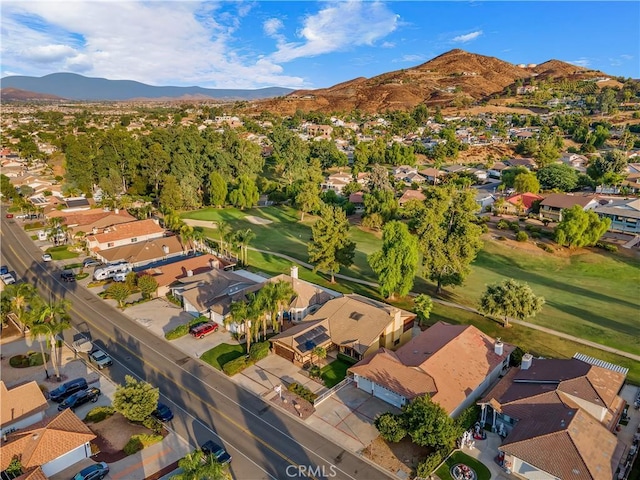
pixel 185 235
pixel 224 229
pixel 197 466
pixel 21 295
pixel 281 294
pixel 239 314
pixel 242 238
pixel 256 310
pixel 198 237
pixel 39 330
pixel 55 318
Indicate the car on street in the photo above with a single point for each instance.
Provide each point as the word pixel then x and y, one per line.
pixel 212 448
pixel 90 262
pixel 8 278
pixel 204 329
pixel 68 276
pixel 162 412
pixel 100 358
pixel 97 471
pixel 67 389
pixel 80 398
pixel 47 257
pixel 9 215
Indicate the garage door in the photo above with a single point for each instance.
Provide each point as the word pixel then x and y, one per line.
pixel 388 396
pixel 364 384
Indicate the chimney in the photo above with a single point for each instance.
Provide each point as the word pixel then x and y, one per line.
pixel 498 347
pixel 214 264
pixel 189 273
pixel 527 360
pixel 294 271
pixel 116 211
pixel 165 249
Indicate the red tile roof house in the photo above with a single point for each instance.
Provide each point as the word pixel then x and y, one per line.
pixel 551 207
pixel 557 417
pixel 454 364
pixel 411 195
pixel 125 233
pixel 91 221
pixel 521 203
pixel 21 406
pixel 143 253
pixel 52 444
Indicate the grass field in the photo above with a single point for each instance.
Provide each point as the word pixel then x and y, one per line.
pixel 61 252
pixel 334 373
pixel 444 472
pixel 223 353
pixel 592 294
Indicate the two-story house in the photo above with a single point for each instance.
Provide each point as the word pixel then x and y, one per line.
pixel 551 207
pixel 124 234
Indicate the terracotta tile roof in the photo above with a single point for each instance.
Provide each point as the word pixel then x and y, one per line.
pixel 356 197
pixel 167 274
pixel 563 200
pixel 455 359
pixel 411 195
pixel 307 294
pixel 45 441
pixel 128 230
pixel 145 251
pixel 34 474
pixel 567 443
pixel 526 198
pixel 21 401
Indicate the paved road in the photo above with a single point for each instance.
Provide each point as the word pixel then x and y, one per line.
pixel 265 442
pixel 550 331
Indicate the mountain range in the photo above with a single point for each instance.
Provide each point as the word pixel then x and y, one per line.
pixel 456 77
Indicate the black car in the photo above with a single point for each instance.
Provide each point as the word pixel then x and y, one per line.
pixel 68 277
pixel 80 398
pixel 212 448
pixel 67 389
pixel 162 412
pixel 96 471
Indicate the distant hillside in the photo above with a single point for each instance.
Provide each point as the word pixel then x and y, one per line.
pixel 17 95
pixel 77 87
pixel 453 78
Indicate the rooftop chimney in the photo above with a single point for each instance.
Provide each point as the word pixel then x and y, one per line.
pixel 294 271
pixel 165 249
pixel 116 211
pixel 527 360
pixel 189 273
pixel 498 348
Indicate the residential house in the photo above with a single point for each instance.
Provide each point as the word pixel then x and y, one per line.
pixel 411 195
pixel 485 200
pixel 336 182
pixel 357 199
pixel 575 161
pixel 76 203
pixel 168 273
pixel 453 364
pixel 624 215
pixel 551 207
pixel 52 444
pixel 528 163
pixel 144 253
pixel 480 173
pixel 557 418
pixel 432 175
pixel 521 203
pixel 20 406
pixel 319 131
pixel 91 221
pixel 632 182
pixel 455 168
pixel 124 233
pixel 354 325
pixel 496 170
pixel 407 174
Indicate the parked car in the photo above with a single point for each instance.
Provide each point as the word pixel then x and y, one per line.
pixel 9 215
pixel 100 358
pixel 47 257
pixel 162 412
pixel 96 471
pixel 80 398
pixel 8 278
pixel 196 325
pixel 91 262
pixel 4 269
pixel 212 448
pixel 83 345
pixel 204 329
pixel 67 389
pixel 68 276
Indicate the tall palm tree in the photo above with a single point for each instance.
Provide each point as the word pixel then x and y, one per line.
pixel 256 311
pixel 39 331
pixel 186 235
pixel 242 238
pixel 197 466
pixel 21 296
pixel 239 314
pixel 54 315
pixel 278 295
pixel 224 229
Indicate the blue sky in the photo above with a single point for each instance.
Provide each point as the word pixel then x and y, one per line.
pixel 304 44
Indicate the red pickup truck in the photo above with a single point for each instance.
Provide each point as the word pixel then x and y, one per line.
pixel 204 329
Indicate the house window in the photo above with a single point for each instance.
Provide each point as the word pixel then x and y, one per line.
pixel 134 240
pixel 110 245
pixel 408 324
pixel 396 342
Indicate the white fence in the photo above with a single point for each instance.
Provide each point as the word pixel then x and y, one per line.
pixel 321 398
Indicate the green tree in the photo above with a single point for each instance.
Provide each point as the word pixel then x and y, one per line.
pixel 136 399
pixel 155 164
pixel 580 228
pixel 526 182
pixel 245 195
pixel 245 314
pixel 397 262
pixel 277 296
pixel 429 425
pixel 198 466
pixel 147 285
pixel 423 306
pixel 510 299
pixel 330 246
pixel 308 199
pixel 118 291
pixel 242 238
pixel 171 194
pixel 217 189
pixel 558 176
pixel 613 161
pixel 54 318
pixel 320 353
pixel 448 237
pixel 510 174
pixel 391 427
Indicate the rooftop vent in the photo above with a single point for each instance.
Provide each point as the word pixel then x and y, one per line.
pixel 355 315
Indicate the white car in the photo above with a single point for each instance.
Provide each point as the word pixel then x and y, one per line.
pixel 83 345
pixel 100 358
pixel 47 257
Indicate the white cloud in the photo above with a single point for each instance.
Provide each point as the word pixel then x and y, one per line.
pixel 626 57
pixel 272 26
pixel 409 58
pixel 581 62
pixel 388 45
pixel 467 37
pixel 337 27
pixel 49 53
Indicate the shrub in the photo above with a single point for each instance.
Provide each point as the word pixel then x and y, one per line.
pixel 98 414
pixel 174 300
pixel 532 228
pixel 522 237
pixel 391 427
pixel 502 225
pixel 302 392
pixel 314 371
pixel 516 357
pixel 182 330
pixel 235 366
pixel 140 441
pixel 258 351
pixel 484 228
pixel 607 246
pixel 514 227
pixel 502 238
pixel 429 464
pixel 535 235
pixel 153 424
pixel 545 247
pixel 468 417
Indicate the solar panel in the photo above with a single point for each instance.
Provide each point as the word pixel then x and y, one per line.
pixel 311 339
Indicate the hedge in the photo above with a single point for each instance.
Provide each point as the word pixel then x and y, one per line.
pixel 140 441
pixel 182 330
pixel 258 351
pixel 429 464
pixel 236 366
pixel 302 392
pixel 98 414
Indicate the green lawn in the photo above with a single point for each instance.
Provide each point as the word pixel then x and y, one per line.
pixel 223 353
pixel 61 252
pixel 334 373
pixel 444 472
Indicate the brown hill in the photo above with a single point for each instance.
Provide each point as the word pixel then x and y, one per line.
pixel 10 94
pixel 453 78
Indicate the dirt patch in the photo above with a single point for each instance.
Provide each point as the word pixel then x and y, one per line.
pixel 258 220
pixel 293 404
pixel 402 456
pixel 112 434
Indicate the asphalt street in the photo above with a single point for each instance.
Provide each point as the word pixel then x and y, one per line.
pixel 265 442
